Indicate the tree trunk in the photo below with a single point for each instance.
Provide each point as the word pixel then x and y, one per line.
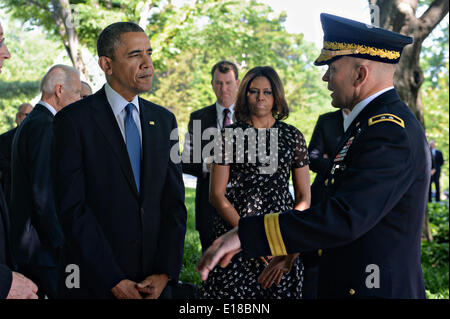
pixel 64 19
pixel 400 16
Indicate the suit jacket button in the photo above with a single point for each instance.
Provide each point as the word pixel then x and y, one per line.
pixel 352 292
pixel 319 252
pixel 332 181
pixel 326 182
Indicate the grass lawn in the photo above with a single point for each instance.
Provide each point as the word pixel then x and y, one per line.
pixel 192 247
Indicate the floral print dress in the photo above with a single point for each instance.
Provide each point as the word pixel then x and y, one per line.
pixel 253 191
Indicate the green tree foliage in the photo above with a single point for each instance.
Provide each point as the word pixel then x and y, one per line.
pixel 89 16
pixel 189 40
pixel 32 53
pixel 435 55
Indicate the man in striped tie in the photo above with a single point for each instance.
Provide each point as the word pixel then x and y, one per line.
pixel 225 83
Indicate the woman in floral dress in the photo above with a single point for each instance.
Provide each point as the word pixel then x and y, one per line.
pixel 251 177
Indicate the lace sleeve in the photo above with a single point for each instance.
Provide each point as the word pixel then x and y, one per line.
pixel 301 157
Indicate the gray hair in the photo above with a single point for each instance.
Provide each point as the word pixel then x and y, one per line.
pixel 58 74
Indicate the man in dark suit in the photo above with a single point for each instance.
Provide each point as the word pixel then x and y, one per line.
pixel 225 83
pixel 327 133
pixel 438 161
pixel 369 224
pixel 120 197
pixel 36 235
pixel 6 147
pixel 13 285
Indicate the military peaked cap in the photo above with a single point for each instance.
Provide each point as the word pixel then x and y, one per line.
pixel 344 37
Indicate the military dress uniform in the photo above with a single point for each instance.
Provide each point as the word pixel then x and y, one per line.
pixel 367 228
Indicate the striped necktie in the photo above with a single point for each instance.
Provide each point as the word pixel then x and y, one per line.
pixel 226 119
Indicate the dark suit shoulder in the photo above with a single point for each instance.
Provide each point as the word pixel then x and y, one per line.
pixel 205 111
pixel 395 112
pixel 77 108
pixel 394 123
pixel 6 142
pixel 40 118
pixel 330 116
pixel 156 108
pixel 8 134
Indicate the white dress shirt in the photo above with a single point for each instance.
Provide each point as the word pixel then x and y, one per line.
pixel 344 116
pixel 118 104
pixel 360 106
pixel 48 106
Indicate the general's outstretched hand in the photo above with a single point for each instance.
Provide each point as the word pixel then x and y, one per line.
pixel 222 249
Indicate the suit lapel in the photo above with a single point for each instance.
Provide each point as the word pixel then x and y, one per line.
pixel 106 121
pixel 149 126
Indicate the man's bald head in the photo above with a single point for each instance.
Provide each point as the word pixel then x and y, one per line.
pixel 61 86
pixel 22 111
pixel 354 79
pixel 379 70
pixel 57 74
pixel 380 75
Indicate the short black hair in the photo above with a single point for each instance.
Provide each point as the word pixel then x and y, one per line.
pixel 110 36
pixel 224 67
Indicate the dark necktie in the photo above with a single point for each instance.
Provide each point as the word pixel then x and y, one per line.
pixel 226 119
pixel 133 144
